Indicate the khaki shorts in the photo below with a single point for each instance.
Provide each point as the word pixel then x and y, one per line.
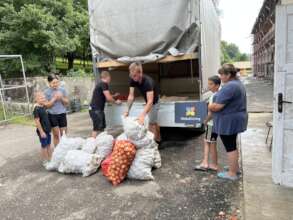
pixel 153 114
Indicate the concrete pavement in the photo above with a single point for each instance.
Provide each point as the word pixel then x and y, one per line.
pixel 259 95
pixel 263 200
pixel 28 191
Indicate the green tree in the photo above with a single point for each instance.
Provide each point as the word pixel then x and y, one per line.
pixel 32 32
pixel 41 30
pixel 230 53
pixel 77 34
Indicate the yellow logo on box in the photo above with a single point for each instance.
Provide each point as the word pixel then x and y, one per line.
pixel 190 112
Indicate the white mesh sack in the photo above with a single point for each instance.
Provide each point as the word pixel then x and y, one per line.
pixel 80 162
pixel 90 145
pixel 104 143
pixel 132 129
pixel 66 144
pixel 141 168
pixel 157 158
pixel 122 137
pixel 145 142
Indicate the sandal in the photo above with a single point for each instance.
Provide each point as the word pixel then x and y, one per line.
pixel 225 175
pixel 226 168
pixel 201 168
pixel 213 169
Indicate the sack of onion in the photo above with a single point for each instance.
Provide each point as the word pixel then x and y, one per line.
pixel 105 165
pixel 121 159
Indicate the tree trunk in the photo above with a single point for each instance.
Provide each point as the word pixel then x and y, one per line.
pixel 83 57
pixel 70 58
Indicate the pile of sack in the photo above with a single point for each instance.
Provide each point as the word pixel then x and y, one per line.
pixel 133 154
pixel 147 155
pixel 80 156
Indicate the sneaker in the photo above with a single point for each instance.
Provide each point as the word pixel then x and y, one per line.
pixel 225 175
pixel 44 163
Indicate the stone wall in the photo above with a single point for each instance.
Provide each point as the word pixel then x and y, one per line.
pixel 78 88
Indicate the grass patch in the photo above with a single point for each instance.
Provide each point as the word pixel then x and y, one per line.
pixel 78 64
pixel 17 119
pixel 25 120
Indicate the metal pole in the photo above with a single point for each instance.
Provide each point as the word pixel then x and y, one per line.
pixel 25 83
pixel 191 72
pixel 2 99
pixel 2 85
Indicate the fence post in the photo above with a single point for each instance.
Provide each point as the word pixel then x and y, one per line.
pixel 25 83
pixel 2 98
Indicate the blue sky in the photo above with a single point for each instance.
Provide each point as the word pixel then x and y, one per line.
pixel 237 19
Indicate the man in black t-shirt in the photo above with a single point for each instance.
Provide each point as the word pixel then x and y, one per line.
pixel 150 91
pixel 101 94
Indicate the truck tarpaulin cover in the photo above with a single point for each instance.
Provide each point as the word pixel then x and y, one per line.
pixel 143 28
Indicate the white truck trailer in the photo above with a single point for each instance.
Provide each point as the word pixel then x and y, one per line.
pixel 178 42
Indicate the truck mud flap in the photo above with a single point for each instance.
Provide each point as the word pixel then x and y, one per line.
pixel 192 114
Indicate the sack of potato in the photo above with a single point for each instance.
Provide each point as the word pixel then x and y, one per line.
pixel 121 159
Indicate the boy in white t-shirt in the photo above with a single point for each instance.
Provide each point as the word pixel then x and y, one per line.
pixel 210 142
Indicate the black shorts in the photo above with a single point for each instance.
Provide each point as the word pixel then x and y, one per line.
pixel 58 120
pixel 98 119
pixel 210 136
pixel 230 142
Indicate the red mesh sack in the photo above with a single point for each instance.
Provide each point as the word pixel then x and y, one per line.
pixel 105 165
pixel 121 160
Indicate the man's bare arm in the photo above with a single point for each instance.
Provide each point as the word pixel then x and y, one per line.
pixel 130 99
pixel 148 107
pixel 65 100
pixel 149 104
pixel 110 98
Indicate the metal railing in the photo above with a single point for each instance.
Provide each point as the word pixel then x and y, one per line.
pixel 6 87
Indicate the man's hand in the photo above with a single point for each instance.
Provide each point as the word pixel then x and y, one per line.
pixel 118 102
pixel 141 119
pixel 126 114
pixel 43 135
pixel 116 94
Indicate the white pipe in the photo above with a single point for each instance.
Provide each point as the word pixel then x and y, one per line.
pixel 25 83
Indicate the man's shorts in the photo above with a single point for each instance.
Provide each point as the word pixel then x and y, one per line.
pixel 98 119
pixel 153 114
pixel 58 120
pixel 210 136
pixel 45 142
